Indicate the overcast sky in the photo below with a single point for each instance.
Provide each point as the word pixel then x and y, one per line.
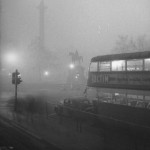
pixel 90 26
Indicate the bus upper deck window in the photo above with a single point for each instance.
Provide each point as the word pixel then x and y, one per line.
pixel 147 64
pixel 93 66
pixel 135 65
pixel 104 66
pixel 118 65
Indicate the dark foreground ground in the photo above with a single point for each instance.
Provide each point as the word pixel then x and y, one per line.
pixel 68 133
pixel 14 137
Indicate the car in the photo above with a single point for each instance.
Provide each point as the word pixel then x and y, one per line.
pixel 77 102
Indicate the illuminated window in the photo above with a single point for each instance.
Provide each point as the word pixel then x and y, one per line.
pixel 135 65
pixel 93 66
pixel 104 66
pixel 118 65
pixel 147 64
pixel 140 97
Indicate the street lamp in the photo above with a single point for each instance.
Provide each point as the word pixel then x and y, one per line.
pixel 11 58
pixel 71 66
pixel 10 61
pixel 46 73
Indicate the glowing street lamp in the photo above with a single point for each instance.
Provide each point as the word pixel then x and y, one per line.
pixel 71 66
pixel 10 61
pixel 46 73
pixel 11 58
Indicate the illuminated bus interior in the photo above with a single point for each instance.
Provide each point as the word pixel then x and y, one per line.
pixel 104 66
pixel 131 98
pixel 147 64
pixel 121 65
pixel 118 65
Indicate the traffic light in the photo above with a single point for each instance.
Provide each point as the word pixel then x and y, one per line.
pixel 13 77
pixel 16 78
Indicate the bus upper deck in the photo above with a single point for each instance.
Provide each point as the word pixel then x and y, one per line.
pixel 125 71
pixel 139 61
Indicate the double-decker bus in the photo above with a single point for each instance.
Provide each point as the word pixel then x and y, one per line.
pixel 121 83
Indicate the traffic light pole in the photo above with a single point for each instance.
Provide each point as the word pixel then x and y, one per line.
pixel 16 79
pixel 16 90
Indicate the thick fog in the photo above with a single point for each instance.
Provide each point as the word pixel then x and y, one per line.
pixel 90 27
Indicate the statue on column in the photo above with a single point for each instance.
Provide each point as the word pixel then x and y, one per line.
pixel 75 57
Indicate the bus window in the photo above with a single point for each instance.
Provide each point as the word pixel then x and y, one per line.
pixel 147 64
pixel 104 66
pixel 118 65
pixel 140 97
pixel 119 99
pixel 147 98
pixel 135 65
pixel 93 67
pixel 132 100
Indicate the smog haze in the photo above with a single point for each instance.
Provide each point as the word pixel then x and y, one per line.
pixel 90 27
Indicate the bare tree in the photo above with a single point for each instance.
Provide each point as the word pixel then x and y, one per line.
pixel 122 43
pixel 142 43
pixel 132 45
pixel 126 44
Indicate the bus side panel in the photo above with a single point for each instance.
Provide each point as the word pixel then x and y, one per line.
pixel 125 80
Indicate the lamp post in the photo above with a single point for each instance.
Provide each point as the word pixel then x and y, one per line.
pixel 71 66
pixel 11 61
